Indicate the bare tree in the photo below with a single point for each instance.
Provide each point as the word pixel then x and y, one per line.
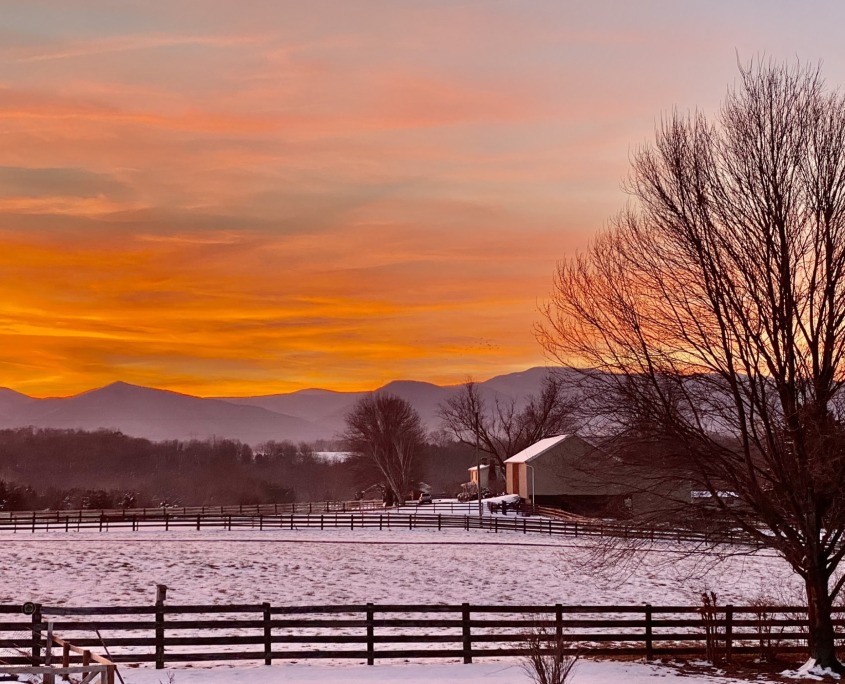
pixel 502 429
pixel 716 304
pixel 386 431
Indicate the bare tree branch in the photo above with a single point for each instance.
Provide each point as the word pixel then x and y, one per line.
pixel 386 431
pixel 714 307
pixel 502 429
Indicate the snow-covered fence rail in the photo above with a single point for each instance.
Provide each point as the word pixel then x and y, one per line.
pixel 172 634
pixel 369 519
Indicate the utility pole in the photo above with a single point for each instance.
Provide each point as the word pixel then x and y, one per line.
pixel 478 470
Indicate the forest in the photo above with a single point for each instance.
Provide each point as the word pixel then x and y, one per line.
pixel 73 469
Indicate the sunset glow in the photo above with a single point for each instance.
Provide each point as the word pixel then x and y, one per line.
pixel 246 198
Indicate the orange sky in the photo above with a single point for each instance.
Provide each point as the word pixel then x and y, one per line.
pixel 245 198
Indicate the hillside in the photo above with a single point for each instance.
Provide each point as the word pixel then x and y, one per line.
pixel 305 415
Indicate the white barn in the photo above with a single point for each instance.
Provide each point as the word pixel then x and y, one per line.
pixel 565 472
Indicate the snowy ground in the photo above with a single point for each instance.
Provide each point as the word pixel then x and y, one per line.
pixel 344 567
pixel 587 672
pixel 341 566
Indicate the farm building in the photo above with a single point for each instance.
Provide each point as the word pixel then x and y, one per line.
pixel 566 472
pixel 487 477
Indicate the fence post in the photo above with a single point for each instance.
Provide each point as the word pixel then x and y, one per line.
pixel 467 633
pixel 729 631
pixel 36 635
pixel 161 596
pixel 268 636
pixel 558 622
pixel 371 646
pixel 49 678
pixel 649 643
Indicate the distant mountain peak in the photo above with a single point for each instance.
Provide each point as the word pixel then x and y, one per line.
pixel 10 393
pixel 299 416
pixel 121 388
pixel 119 384
pixel 406 383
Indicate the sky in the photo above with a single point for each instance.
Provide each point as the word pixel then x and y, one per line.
pixel 247 198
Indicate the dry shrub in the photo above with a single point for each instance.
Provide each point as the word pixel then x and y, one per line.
pixel 549 659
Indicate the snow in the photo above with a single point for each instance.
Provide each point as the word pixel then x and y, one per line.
pixel 299 567
pixel 586 672
pixel 810 670
pixel 530 453
pixel 397 566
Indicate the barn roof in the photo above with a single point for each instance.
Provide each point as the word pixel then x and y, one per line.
pixel 532 452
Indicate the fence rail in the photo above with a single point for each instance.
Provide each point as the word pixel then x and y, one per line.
pixel 173 634
pixel 238 509
pixel 366 519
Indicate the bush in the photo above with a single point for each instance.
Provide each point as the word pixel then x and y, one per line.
pixel 549 659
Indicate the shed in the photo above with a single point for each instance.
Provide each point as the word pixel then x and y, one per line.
pixel 566 472
pixel 480 475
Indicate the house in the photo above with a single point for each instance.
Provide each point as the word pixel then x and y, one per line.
pixel 569 473
pixel 486 476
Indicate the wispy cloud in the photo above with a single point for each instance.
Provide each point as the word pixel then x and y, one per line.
pixel 220 199
pixel 127 43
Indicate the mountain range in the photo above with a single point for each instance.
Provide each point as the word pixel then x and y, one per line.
pixel 306 415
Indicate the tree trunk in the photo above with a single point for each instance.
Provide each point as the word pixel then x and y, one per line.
pixel 821 636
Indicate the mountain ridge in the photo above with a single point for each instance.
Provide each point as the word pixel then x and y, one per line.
pixel 303 415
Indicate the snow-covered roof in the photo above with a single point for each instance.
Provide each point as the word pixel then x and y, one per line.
pixel 532 452
pixel 483 466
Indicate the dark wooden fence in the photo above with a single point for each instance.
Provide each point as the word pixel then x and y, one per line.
pixel 170 519
pixel 177 634
pixel 23 517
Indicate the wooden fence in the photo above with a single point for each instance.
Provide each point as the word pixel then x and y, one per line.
pixel 177 634
pixel 310 507
pixel 169 520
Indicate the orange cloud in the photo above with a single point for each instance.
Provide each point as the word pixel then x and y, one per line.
pixel 189 311
pixel 226 202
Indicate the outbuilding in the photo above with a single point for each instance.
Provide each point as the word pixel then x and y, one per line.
pixel 569 473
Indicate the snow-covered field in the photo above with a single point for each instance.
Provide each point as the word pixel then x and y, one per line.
pixel 303 567
pixel 586 672
pixel 342 566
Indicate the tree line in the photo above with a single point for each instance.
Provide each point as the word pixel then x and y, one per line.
pixel 70 469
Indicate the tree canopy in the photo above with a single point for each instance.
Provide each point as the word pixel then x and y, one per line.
pixel 386 431
pixel 715 302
